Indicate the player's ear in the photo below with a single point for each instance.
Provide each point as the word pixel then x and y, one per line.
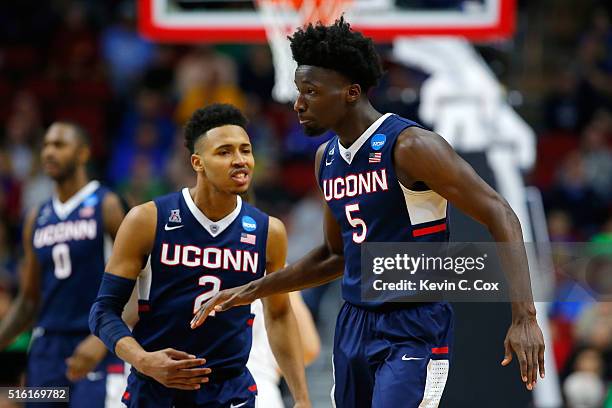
pixel 197 162
pixel 353 93
pixel 84 154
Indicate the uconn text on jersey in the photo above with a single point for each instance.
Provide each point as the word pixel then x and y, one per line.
pixel 65 231
pixel 355 184
pixel 209 257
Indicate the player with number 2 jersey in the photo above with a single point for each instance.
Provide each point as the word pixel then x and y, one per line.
pixel 192 244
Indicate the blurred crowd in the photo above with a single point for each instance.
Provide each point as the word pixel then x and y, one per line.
pixel 574 172
pixel 85 62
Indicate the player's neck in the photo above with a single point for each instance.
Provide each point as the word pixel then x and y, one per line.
pixel 71 185
pixel 215 204
pixel 356 122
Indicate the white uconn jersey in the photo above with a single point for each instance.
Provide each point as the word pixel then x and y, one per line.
pixel 365 196
pixel 262 364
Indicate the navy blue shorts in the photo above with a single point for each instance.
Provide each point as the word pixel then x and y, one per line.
pixel 392 358
pixel 239 391
pixel 101 388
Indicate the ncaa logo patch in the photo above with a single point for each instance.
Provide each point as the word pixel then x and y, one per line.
pixel 249 224
pixel 90 201
pixel 44 214
pixel 378 141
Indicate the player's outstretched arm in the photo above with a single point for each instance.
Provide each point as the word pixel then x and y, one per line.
pixel 91 351
pixel 133 244
pixel 321 265
pixel 311 342
pixel 23 309
pixel 281 325
pixel 421 155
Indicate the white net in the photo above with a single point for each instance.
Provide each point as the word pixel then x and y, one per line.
pixel 281 18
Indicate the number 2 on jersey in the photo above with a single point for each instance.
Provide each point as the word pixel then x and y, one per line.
pixel 358 237
pixel 206 280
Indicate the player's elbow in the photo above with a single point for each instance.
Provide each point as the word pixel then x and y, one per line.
pixel 29 293
pixel 508 215
pixel 105 314
pixel 31 300
pixel 100 312
pixel 27 306
pixel 312 349
pixel 105 322
pixel 503 219
pixel 94 318
pixel 278 311
pixel 333 257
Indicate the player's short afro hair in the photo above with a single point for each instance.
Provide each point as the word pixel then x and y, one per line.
pixel 338 48
pixel 210 117
pixel 79 131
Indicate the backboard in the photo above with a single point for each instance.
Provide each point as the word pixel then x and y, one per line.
pixel 238 21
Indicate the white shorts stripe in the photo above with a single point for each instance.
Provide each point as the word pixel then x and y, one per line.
pixel 333 389
pixel 144 281
pixel 108 247
pixel 115 387
pixel 437 373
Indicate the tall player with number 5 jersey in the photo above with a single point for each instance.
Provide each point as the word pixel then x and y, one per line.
pixel 385 179
pixel 182 249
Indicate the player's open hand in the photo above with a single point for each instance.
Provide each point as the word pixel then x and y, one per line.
pixel 525 339
pixel 225 299
pixel 86 356
pixel 174 369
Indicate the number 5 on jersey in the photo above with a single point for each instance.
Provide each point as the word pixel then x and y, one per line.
pixel 358 237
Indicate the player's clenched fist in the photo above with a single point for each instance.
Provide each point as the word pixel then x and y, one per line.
pixel 174 369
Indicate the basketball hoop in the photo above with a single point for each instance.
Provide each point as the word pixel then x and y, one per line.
pixel 281 18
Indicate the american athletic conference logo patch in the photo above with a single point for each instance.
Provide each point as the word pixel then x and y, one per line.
pixel 175 216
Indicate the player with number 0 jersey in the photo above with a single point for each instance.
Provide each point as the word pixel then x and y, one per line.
pixel 67 241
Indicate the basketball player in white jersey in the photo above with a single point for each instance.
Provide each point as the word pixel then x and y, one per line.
pixel 263 365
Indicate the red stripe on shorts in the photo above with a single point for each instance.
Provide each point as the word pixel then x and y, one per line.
pixel 428 230
pixel 115 369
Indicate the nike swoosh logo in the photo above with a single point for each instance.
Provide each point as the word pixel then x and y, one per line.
pixel 95 376
pixel 167 228
pixel 327 163
pixel 411 358
pixel 239 405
